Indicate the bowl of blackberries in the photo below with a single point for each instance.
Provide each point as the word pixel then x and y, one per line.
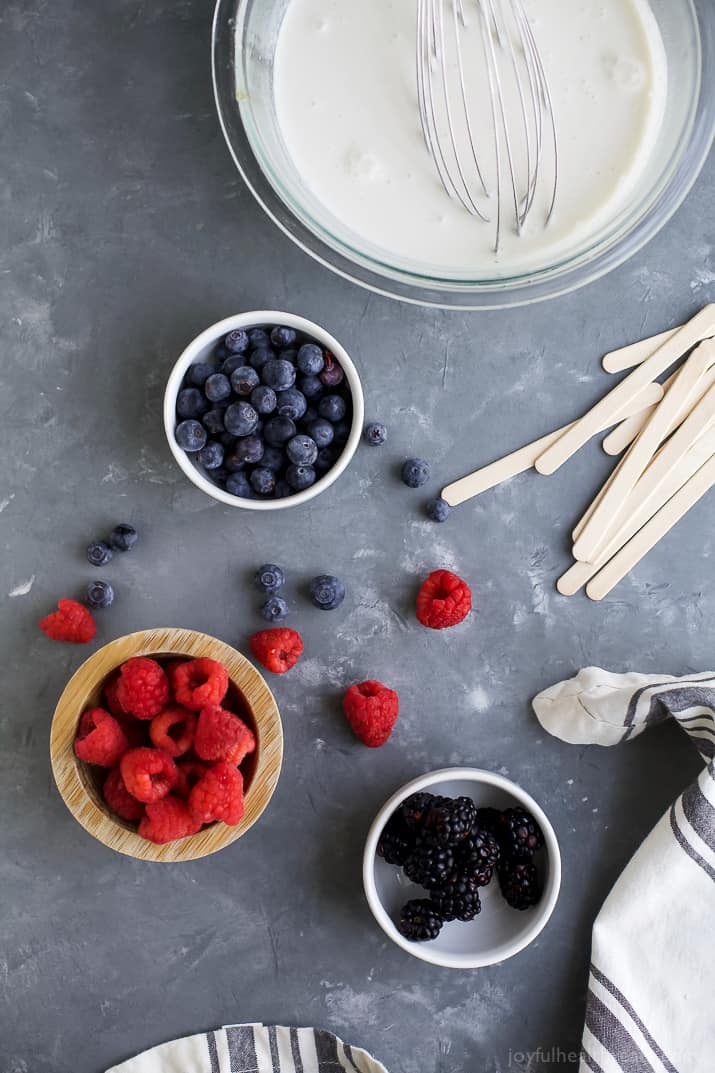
pixel 462 868
pixel 263 410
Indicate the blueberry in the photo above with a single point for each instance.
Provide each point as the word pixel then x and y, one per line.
pixel 233 460
pixel 310 359
pixel 217 387
pixel 327 592
pixel 221 351
pixel 375 434
pixel 321 431
pixel 100 594
pixel 261 356
pixel 300 477
pixel 342 432
pixel 198 373
pixel 309 417
pixel 99 553
pixel 273 457
pixel 220 476
pixel 258 337
pixel 281 337
pixel 310 386
pixel 290 355
pixel 438 509
pixel 244 379
pixel 211 456
pixel 248 449
pixel 278 374
pixel 302 450
pixel 240 419
pixel 269 578
pixel 213 421
pixel 236 342
pixel 279 430
pixel 235 361
pixel 123 537
pixel 291 403
pixel 326 459
pixel 190 435
pixel 263 480
pixel 190 403
pixel 282 490
pixel 415 472
pixel 332 408
pixel 237 485
pixel 264 399
pixel 332 374
pixel 275 609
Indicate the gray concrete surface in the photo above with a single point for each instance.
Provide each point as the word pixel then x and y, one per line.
pixel 125 230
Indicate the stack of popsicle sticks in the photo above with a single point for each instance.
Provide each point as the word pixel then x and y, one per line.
pixel 668 434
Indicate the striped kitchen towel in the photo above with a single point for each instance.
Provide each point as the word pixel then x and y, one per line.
pixel 254 1048
pixel 652 979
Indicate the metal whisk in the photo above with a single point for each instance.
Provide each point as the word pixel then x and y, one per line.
pixel 474 54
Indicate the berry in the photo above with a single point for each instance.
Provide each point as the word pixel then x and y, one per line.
pixel 111 698
pixel 100 594
pixel 248 449
pixel 302 450
pixel 488 819
pixel 519 834
pixel 199 682
pixel 327 592
pixel 166 820
pixel 310 359
pixel 332 408
pixel 429 866
pixel 479 852
pixel 99 553
pixel 173 730
pixel 261 356
pixel 457 898
pixel 190 435
pixel 119 799
pixel 332 374
pixel 279 430
pixel 123 537
pixel 211 456
pixel 371 709
pixel 444 600
pixel 71 622
pixel 450 821
pixel 275 609
pixel 396 841
pixel 273 458
pixel 190 402
pixel 415 472
pixel 143 688
pixel 217 387
pixel 213 421
pixel 236 342
pixel 235 361
pixel 221 351
pixel 218 795
pixel 420 920
pixel 325 460
pixel 269 578
pixel 244 380
pixel 240 419
pixel 263 481
pixel 519 882
pixel 282 490
pixel 291 403
pixel 375 434
pixel 282 336
pixel 290 354
pixel 342 432
pixel 311 386
pixel 148 774
pixel 100 739
pixel 321 431
pixel 414 809
pixel 198 373
pixel 190 771
pixel 237 484
pixel 437 510
pixel 278 374
pixel 264 399
pixel 278 649
pixel 221 735
pixel 300 477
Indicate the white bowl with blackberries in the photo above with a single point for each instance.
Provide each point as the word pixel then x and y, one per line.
pixel 462 868
pixel 263 410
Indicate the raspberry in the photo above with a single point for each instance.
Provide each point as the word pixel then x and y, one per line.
pixel 173 730
pixel 134 729
pixel 143 688
pixel 167 820
pixel 371 710
pixel 199 682
pixel 218 795
pixel 190 771
pixel 148 774
pixel 100 739
pixel 278 650
pixel 221 735
pixel 71 622
pixel 444 600
pixel 119 799
pixel 110 696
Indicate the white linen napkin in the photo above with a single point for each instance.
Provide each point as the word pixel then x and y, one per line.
pixel 652 977
pixel 254 1048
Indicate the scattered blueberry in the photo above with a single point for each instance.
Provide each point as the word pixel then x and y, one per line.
pixel 190 402
pixel 217 387
pixel 123 537
pixel 438 509
pixel 261 356
pixel 332 374
pixel 302 450
pixel 282 337
pixel 211 456
pixel 269 578
pixel 310 359
pixel 264 399
pixel 278 374
pixel 291 403
pixel 375 434
pixel 213 421
pixel 100 594
pixel 415 472
pixel 249 449
pixel 263 480
pixel 327 592
pixel 236 342
pixel 198 373
pixel 190 435
pixel 99 553
pixel 244 380
pixel 275 609
pixel 240 419
pixel 237 484
pixel 332 408
pixel 321 431
pixel 310 386
pixel 257 337
pixel 300 477
pixel 279 430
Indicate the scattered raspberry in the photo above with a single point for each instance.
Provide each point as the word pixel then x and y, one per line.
pixel 71 622
pixel 444 600
pixel 190 771
pixel 199 682
pixel 218 795
pixel 143 688
pixel 173 730
pixel 149 774
pixel 221 735
pixel 167 820
pixel 119 799
pixel 278 649
pixel 371 710
pixel 110 696
pixel 100 739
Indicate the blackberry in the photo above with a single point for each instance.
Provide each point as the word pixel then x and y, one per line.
pixel 488 819
pixel 519 834
pixel 420 920
pixel 458 897
pixel 519 883
pixel 479 850
pixel 450 821
pixel 429 866
pixel 396 841
pixel 414 809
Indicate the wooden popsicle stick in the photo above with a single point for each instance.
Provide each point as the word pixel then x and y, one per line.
pixel 702 325
pixel 653 531
pixel 678 401
pixel 617 361
pixel 626 432
pixel 523 459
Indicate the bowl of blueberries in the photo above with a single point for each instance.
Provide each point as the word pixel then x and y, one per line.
pixel 263 410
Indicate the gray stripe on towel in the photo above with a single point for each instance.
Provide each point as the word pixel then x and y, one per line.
pixel 679 698
pixel 295 1050
pixel 326 1047
pixel 691 852
pixel 614 1036
pixel 618 994
pixel 213 1052
pixel 349 1055
pixel 241 1048
pixel 700 814
pixel 273 1044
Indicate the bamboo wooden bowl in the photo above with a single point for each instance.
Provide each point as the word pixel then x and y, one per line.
pixel 79 783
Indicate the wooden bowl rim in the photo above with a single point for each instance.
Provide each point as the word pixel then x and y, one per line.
pixel 167 641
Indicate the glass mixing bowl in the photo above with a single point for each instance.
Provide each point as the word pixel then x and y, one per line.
pixel 244 39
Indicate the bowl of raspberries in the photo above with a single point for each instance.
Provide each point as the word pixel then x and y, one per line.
pixel 166 745
pixel 263 410
pixel 462 868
